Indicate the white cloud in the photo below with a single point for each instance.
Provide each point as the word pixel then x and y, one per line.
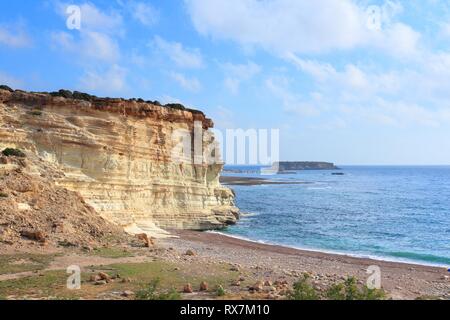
pixel 89 45
pixel 191 84
pixel 97 38
pixel 109 81
pixel 398 40
pixel 416 95
pixel 235 74
pixel 352 77
pixel 14 39
pixel 183 57
pixel 10 81
pixel 144 13
pixel 281 25
pixel 320 71
pixel 93 19
pixel 224 118
pixel 165 99
pixel 301 26
pixel 291 102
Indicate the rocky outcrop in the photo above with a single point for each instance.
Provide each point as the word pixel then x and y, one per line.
pixel 118 154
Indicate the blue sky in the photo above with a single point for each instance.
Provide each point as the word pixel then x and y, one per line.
pixel 339 85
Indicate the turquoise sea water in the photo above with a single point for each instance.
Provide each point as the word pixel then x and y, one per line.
pixel 393 213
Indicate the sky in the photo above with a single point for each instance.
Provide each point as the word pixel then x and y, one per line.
pixel 346 81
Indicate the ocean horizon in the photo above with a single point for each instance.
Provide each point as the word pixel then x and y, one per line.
pixel 385 212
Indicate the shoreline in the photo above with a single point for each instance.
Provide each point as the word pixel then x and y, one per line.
pixel 400 280
pixel 251 181
pixel 214 236
pixel 336 253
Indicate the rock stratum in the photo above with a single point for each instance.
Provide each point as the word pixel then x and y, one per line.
pixel 117 154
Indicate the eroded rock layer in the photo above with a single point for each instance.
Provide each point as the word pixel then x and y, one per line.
pixel 118 155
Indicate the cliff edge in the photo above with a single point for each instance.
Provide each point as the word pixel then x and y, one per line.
pixel 117 154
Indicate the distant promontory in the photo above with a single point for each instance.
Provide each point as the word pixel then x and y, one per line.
pixel 303 165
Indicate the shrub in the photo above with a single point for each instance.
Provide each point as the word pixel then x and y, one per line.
pixel 3 87
pixel 83 96
pixel 150 293
pixel 3 195
pixel 11 152
pixel 156 103
pixel 176 106
pixel 349 290
pixel 303 290
pixel 220 291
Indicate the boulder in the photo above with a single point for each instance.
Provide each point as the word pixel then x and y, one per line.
pixel 203 286
pixel 104 276
pixel 128 293
pixel 148 242
pixel 33 235
pixel 188 288
pixel 258 286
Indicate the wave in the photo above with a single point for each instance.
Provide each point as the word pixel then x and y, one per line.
pixel 249 214
pixel 397 257
pixel 420 256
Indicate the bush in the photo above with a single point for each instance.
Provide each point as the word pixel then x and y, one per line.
pixel 176 106
pixel 3 87
pixel 220 291
pixel 11 152
pixel 156 103
pixel 303 290
pixel 3 195
pixel 349 290
pixel 150 293
pixel 83 96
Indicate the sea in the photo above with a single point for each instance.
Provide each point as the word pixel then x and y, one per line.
pixel 394 213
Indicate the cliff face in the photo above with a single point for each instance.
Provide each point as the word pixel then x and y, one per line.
pixel 117 154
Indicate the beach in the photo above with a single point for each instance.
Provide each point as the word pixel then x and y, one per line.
pixel 246 270
pixel 399 280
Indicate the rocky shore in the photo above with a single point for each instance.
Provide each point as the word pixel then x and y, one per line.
pixel 199 265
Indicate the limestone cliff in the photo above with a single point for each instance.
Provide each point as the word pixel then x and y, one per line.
pixel 117 154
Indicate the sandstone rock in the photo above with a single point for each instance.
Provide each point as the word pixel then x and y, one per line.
pixel 118 154
pixel 188 288
pixel 258 286
pixel 190 253
pixel 100 283
pixel 236 283
pixel 148 242
pixel 34 235
pixel 104 276
pixel 128 293
pixel 94 278
pixel 203 286
pixel 268 283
